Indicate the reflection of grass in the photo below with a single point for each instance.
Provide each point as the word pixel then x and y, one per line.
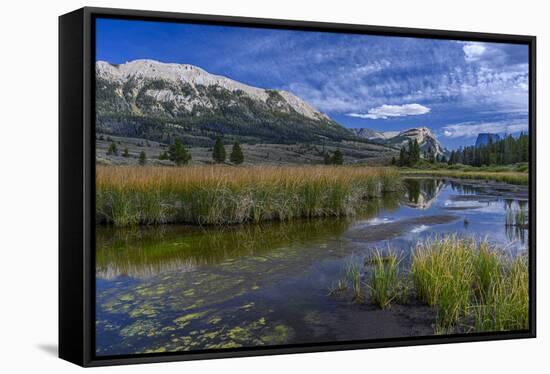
pixel 146 251
pixel 517 217
pixel 473 287
pixel 227 195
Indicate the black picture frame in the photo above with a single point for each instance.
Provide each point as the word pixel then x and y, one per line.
pixel 77 187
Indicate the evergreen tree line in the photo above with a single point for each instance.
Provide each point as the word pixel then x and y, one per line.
pixel 409 155
pixel 178 154
pixel 506 151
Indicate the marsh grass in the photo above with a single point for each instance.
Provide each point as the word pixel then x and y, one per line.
pixel 465 280
pixel 219 195
pixel 505 303
pixel 384 278
pixel 442 273
pixel 350 279
pixel 512 177
pixel 472 286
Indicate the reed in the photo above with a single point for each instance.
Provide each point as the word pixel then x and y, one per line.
pixel 384 279
pixel 465 280
pixel 218 194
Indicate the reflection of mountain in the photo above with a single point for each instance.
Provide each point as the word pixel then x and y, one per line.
pixel 421 193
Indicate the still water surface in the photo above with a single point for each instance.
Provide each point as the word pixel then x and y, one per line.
pixel 180 288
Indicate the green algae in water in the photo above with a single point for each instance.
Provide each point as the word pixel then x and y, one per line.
pixel 277 335
pixel 189 317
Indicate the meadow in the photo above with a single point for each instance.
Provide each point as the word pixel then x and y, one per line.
pixel 513 174
pixel 222 194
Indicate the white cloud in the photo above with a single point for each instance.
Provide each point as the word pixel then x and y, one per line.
pixel 473 51
pixel 385 111
pixel 472 129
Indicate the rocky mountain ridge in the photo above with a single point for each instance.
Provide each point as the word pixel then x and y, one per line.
pixel 426 139
pixel 147 98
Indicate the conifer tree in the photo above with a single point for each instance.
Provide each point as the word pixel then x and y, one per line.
pixel 236 155
pixel 178 154
pixel 218 154
pixel 338 157
pixel 142 158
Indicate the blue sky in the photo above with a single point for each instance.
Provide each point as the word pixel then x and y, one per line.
pixel 456 88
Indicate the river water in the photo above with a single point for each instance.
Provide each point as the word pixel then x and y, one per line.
pixel 180 288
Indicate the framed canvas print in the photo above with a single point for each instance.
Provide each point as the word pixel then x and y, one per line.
pixel 236 186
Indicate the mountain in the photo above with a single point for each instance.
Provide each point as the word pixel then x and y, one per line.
pixel 426 139
pixel 157 101
pixel 485 138
pixel 373 134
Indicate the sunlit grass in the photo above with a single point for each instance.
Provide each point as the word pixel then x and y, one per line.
pixel 472 286
pixel 127 195
pixel 512 177
pixel 462 279
pixel 384 278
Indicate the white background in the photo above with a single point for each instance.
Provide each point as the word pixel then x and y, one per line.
pixel 28 184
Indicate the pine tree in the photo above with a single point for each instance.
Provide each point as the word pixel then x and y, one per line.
pixel 178 154
pixel 142 158
pixel 125 153
pixel 415 153
pixel 326 159
pixel 402 157
pixel 236 156
pixel 338 157
pixel 113 149
pixel 218 154
pixel 393 160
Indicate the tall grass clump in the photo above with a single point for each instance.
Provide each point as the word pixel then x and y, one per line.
pixel 504 304
pixel 384 278
pixel 218 194
pixel 442 272
pixel 467 281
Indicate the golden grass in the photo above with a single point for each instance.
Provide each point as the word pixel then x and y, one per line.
pixel 511 177
pixel 464 280
pixel 218 194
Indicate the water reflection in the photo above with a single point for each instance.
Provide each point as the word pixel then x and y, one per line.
pixel 517 220
pixel 170 288
pixel 143 252
pixel 421 193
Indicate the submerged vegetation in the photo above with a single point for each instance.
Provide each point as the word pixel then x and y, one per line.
pixel 472 286
pixel 218 195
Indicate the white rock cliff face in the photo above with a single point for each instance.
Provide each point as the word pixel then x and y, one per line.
pixel 423 135
pixel 142 70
